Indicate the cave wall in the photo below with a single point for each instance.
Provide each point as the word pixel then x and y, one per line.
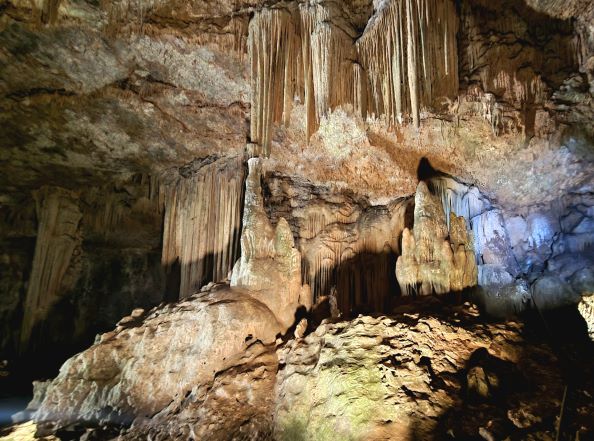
pixel 95 93
pixel 348 245
pixel 112 266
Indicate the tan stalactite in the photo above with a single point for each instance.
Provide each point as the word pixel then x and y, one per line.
pixel 273 49
pixel 202 224
pixel 410 56
pixel 338 243
pixel 58 235
pixel 435 259
pixel 298 53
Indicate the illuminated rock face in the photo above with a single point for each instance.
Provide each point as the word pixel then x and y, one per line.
pixel 398 378
pixel 586 309
pixel 162 364
pixel 435 260
pixel 202 221
pixel 185 363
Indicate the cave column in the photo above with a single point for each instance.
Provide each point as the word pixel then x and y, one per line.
pixel 58 236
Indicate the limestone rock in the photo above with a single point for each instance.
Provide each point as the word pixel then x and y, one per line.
pixel 270 265
pixel 348 244
pixel 142 373
pixel 434 259
pixel 550 292
pixel 403 378
pixel 586 309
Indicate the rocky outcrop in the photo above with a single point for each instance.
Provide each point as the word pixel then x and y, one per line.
pixel 435 259
pixel 114 383
pixel 270 265
pixel 418 375
pixel 153 368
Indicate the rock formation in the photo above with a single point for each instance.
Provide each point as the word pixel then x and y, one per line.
pixel 270 265
pixel 404 378
pixel 348 245
pixel 410 55
pixel 435 260
pixel 202 222
pixel 111 383
pixel 58 237
pixel 297 52
pixel 124 131
pixel 155 366
pixel 586 309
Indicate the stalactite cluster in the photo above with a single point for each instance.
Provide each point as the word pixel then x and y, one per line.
pixel 406 59
pixel 109 208
pixel 202 223
pixel 351 253
pixel 435 258
pixel 297 54
pixel 410 56
pixel 58 235
pixel 458 199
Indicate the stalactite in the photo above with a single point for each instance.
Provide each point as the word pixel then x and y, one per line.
pixel 459 199
pixel 202 223
pixel 351 252
pixel 298 53
pixel 409 53
pixel 273 48
pixel 330 51
pixel 58 235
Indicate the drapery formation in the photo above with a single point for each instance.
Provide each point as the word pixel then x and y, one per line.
pixel 202 223
pixel 297 53
pixel 406 59
pixel 58 235
pixel 410 55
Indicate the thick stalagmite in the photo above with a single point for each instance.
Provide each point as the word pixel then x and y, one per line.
pixel 202 223
pixel 435 260
pixel 409 53
pixel 58 235
pixel 270 265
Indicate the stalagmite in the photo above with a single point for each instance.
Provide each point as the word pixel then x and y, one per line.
pixel 270 265
pixel 435 259
pixel 58 235
pixel 409 53
pixel 202 223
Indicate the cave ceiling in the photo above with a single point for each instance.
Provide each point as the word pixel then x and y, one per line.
pixel 92 91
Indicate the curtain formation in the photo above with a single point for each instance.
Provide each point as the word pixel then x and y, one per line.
pixel 405 60
pixel 202 223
